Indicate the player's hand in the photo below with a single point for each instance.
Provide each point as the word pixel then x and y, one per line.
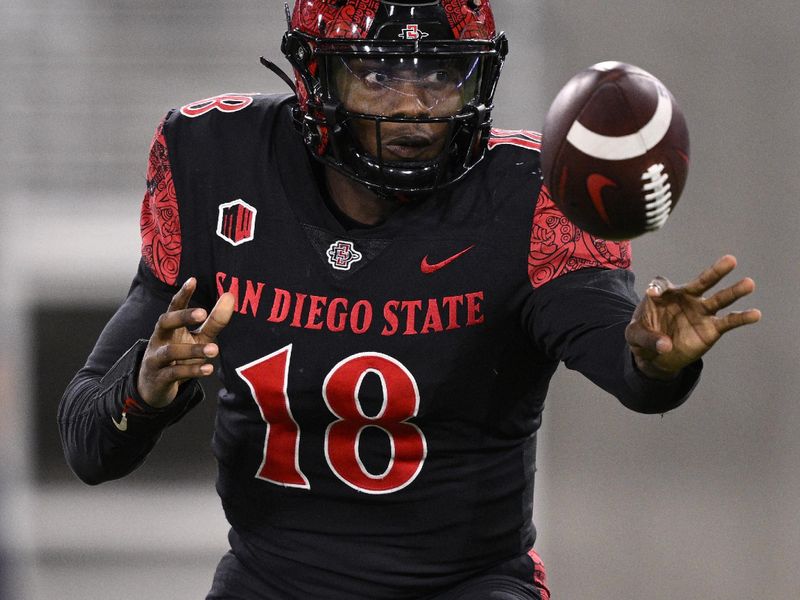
pixel 673 326
pixel 181 346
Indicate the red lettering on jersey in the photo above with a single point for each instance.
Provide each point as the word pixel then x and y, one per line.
pixel 336 318
pixel 233 288
pixel 252 297
pixel 315 311
pixel 474 316
pixel 298 309
pixel 361 317
pixel 559 247
pixel 433 320
pixel 400 403
pixel 267 379
pixel 411 307
pixel 390 317
pixel 452 303
pixel 310 311
pixel 280 306
pixel 321 313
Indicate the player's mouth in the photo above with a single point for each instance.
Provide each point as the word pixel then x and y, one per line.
pixel 411 147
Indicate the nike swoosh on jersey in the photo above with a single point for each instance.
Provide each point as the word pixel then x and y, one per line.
pixel 428 268
pixel 122 425
pixel 596 183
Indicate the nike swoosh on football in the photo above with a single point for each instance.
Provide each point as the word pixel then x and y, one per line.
pixel 596 183
pixel 428 268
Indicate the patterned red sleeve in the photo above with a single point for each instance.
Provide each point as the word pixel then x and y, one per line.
pixel 558 246
pixel 160 225
pixel 539 574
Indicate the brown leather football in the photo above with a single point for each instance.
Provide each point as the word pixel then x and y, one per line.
pixel 615 151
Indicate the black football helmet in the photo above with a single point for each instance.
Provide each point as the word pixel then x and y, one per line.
pixel 417 63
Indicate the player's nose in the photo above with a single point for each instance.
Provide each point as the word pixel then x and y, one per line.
pixel 409 101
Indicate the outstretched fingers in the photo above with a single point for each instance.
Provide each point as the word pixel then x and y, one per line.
pixel 738 319
pixel 711 276
pixel 178 314
pixel 219 317
pixel 181 298
pixel 172 320
pixel 724 298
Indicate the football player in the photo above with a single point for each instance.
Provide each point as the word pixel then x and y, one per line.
pixel 388 289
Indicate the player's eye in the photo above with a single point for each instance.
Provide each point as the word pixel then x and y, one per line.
pixel 438 77
pixel 375 78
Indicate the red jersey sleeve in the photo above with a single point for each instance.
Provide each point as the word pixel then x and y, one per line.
pixel 559 247
pixel 160 224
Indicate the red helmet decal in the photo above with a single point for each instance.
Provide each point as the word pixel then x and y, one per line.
pixel 331 19
pixel 470 19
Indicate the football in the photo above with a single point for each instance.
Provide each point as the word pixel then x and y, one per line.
pixel 615 151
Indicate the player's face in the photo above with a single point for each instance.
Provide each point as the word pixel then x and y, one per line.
pixel 404 87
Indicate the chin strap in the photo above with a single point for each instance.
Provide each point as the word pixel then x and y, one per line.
pixel 279 72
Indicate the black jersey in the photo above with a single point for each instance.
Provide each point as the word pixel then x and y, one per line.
pixel 383 385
